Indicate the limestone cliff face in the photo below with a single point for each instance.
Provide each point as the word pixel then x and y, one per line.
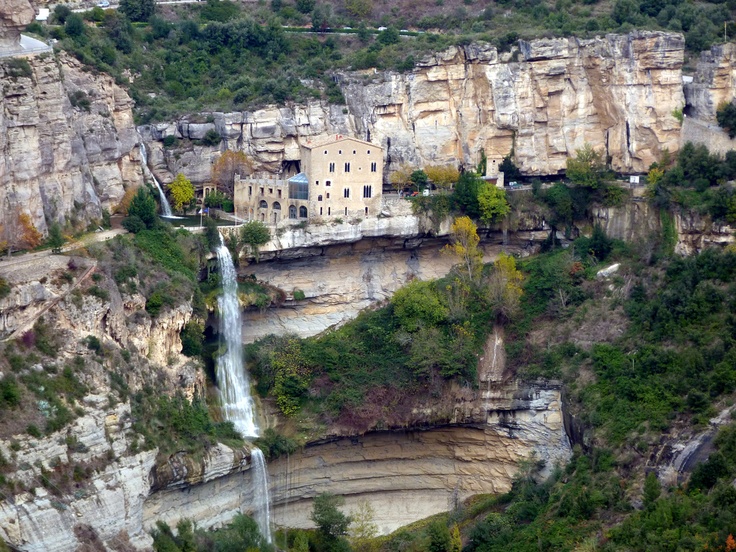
pixel 546 98
pixel 58 160
pixel 107 501
pixel 713 83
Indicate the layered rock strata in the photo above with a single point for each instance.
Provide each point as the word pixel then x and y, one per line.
pixel 407 475
pixel 545 99
pixel 67 141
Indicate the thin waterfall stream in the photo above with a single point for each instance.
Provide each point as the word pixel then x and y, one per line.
pixel 165 205
pixel 232 377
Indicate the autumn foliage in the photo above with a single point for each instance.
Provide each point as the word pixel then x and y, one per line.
pixel 229 164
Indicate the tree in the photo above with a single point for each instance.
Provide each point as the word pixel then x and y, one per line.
pixel 504 288
pixel 418 305
pixel 182 192
pixel 401 177
pixel 439 537
pixel 726 117
pixel 56 238
pixel 30 236
pixel 332 524
pixel 456 543
pixel 587 168
pixel 227 166
pixel 74 25
pixel 141 212
pixel 138 10
pixel 492 203
pixel 363 528
pixel 442 176
pixel 651 489
pixel 359 8
pixel 305 6
pixel 321 17
pixel 464 245
pixel 254 234
pixel 419 179
pixel 465 197
pixel 509 169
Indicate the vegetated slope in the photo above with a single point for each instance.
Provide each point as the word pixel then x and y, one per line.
pixel 647 355
pixel 224 56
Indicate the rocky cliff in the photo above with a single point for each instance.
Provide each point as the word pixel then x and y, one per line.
pixel 713 82
pixel 546 98
pixel 67 141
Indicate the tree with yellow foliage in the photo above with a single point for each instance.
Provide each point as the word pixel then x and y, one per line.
pixel 182 192
pixel 228 165
pixel 504 289
pixel 464 245
pixel 492 203
pixel 442 176
pixel 401 177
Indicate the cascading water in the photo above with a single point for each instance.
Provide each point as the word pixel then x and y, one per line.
pixel 261 493
pixel 237 403
pixel 165 206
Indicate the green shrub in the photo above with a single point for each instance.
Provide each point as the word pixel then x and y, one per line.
pixel 4 288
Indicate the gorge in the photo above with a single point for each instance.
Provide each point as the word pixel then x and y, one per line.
pixel 66 159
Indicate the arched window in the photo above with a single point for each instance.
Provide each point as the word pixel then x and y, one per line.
pixel 263 204
pixel 302 212
pixel 292 211
pixel 319 198
pixel 276 206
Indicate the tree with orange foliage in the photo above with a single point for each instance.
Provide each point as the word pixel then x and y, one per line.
pixel 30 236
pixel 730 543
pixel 227 166
pixel 19 232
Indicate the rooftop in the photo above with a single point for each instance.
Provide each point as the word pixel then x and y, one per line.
pixel 338 138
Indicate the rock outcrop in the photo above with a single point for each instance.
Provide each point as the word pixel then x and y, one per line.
pixel 14 16
pixel 67 141
pixel 713 83
pixel 545 99
pixel 407 475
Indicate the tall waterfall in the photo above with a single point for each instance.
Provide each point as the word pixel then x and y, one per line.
pixel 237 403
pixel 165 206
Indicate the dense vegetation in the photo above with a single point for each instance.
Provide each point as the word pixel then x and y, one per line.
pixel 221 55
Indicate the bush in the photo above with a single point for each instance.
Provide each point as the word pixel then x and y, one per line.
pixel 211 138
pixel 4 288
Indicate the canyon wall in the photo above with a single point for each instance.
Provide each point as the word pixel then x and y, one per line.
pixel 546 98
pixel 67 141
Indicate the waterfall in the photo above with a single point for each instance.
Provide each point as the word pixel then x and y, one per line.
pixel 232 378
pixel 261 494
pixel 165 206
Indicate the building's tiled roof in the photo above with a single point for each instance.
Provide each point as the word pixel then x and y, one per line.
pixel 337 139
pixel 300 178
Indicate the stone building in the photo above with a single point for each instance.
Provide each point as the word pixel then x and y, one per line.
pixel 340 178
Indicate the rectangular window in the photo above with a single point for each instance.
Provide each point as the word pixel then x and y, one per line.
pixel 250 190
pixel 320 211
pixel 332 167
pixel 346 192
pixel 367 191
pixel 279 193
pixel 328 182
pixel 374 167
pixel 346 211
pixel 316 182
pixel 347 167
pixel 270 191
pixel 261 191
pixel 328 211
pixel 328 196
